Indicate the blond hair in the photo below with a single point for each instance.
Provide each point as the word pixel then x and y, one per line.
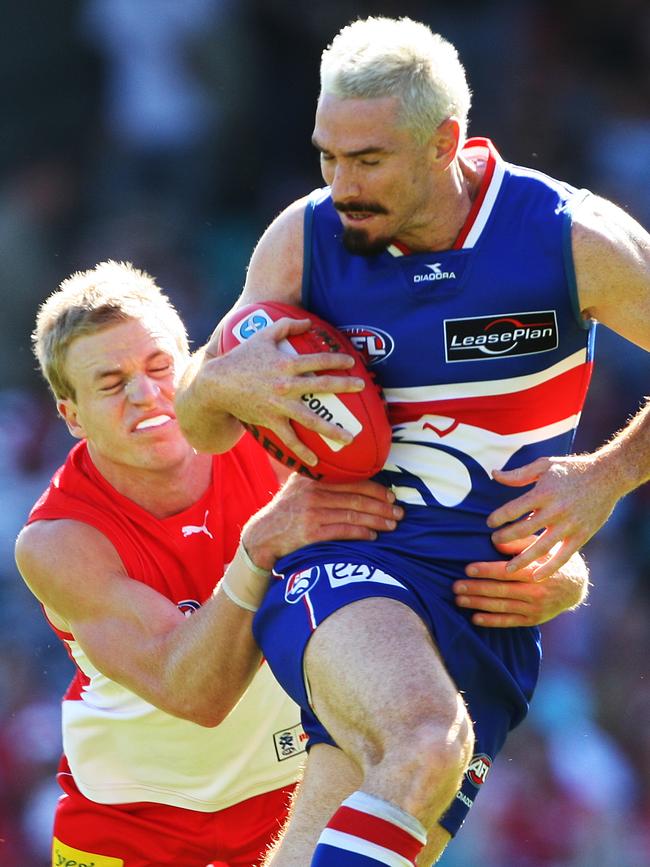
pixel 377 57
pixel 89 301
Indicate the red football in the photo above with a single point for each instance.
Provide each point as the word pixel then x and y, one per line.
pixel 362 413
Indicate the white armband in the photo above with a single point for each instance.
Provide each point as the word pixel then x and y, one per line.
pixel 244 582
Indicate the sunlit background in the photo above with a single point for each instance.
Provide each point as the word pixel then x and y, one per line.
pixel 169 133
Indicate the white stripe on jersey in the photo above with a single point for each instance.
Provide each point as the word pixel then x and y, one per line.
pixel 444 474
pixel 488 387
pixel 486 206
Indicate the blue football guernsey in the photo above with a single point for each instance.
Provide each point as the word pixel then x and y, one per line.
pixel 481 351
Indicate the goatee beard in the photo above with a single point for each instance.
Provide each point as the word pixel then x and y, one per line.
pixel 356 241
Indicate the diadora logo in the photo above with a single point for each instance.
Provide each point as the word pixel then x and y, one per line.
pixel 481 337
pixel 435 273
pixel 374 344
pixel 188 606
pixel 478 769
pixel 290 742
pixel 300 583
pixel 340 574
pixel 254 322
pixel 193 529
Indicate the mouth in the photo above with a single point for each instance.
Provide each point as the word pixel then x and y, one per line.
pixel 359 213
pixel 358 216
pixel 153 422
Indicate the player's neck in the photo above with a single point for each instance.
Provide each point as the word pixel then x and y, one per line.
pixel 442 222
pixel 162 492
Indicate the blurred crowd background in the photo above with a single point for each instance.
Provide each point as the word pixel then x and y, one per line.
pixel 169 133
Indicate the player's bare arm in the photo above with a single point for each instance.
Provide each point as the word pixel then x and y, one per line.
pixel 195 667
pixel 258 383
pixel 574 495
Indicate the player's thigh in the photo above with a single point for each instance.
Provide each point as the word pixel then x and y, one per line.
pixel 329 777
pixel 374 673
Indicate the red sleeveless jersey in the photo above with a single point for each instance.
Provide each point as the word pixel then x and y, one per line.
pixel 119 747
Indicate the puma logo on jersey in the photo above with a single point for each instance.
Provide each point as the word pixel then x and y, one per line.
pixel 435 273
pixel 191 529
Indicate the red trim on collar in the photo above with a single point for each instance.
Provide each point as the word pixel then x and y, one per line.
pixel 491 154
pixel 491 157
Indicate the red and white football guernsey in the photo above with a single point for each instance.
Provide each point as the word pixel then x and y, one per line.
pixel 120 748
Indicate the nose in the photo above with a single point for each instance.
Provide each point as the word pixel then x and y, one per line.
pixel 344 184
pixel 142 389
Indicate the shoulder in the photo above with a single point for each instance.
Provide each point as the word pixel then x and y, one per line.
pixel 611 251
pixel 275 270
pixel 598 223
pixel 45 548
pixel 56 558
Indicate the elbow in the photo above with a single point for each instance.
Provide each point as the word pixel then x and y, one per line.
pixel 213 713
pixel 208 714
pixel 208 719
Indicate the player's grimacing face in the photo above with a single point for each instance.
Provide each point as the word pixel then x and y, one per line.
pixel 125 378
pixel 378 174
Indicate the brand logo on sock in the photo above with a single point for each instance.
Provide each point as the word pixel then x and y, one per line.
pixel 478 769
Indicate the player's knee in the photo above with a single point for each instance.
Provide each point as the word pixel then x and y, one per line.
pixel 440 755
pixel 446 751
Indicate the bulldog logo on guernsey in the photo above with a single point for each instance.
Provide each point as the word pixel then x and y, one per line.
pixel 300 583
pixel 188 606
pixel 484 337
pixel 374 344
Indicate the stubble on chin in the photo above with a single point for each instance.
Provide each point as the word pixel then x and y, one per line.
pixel 357 242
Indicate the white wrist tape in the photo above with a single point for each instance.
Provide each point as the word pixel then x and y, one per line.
pixel 245 583
pixel 263 573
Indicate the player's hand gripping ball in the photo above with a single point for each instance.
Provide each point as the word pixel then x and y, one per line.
pixel 362 413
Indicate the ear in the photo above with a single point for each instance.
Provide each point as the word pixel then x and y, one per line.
pixel 445 142
pixel 70 414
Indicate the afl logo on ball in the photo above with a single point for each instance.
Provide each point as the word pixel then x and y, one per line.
pixel 374 344
pixel 300 583
pixel 478 769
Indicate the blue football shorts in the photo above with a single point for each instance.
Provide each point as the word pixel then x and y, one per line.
pixel 495 669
